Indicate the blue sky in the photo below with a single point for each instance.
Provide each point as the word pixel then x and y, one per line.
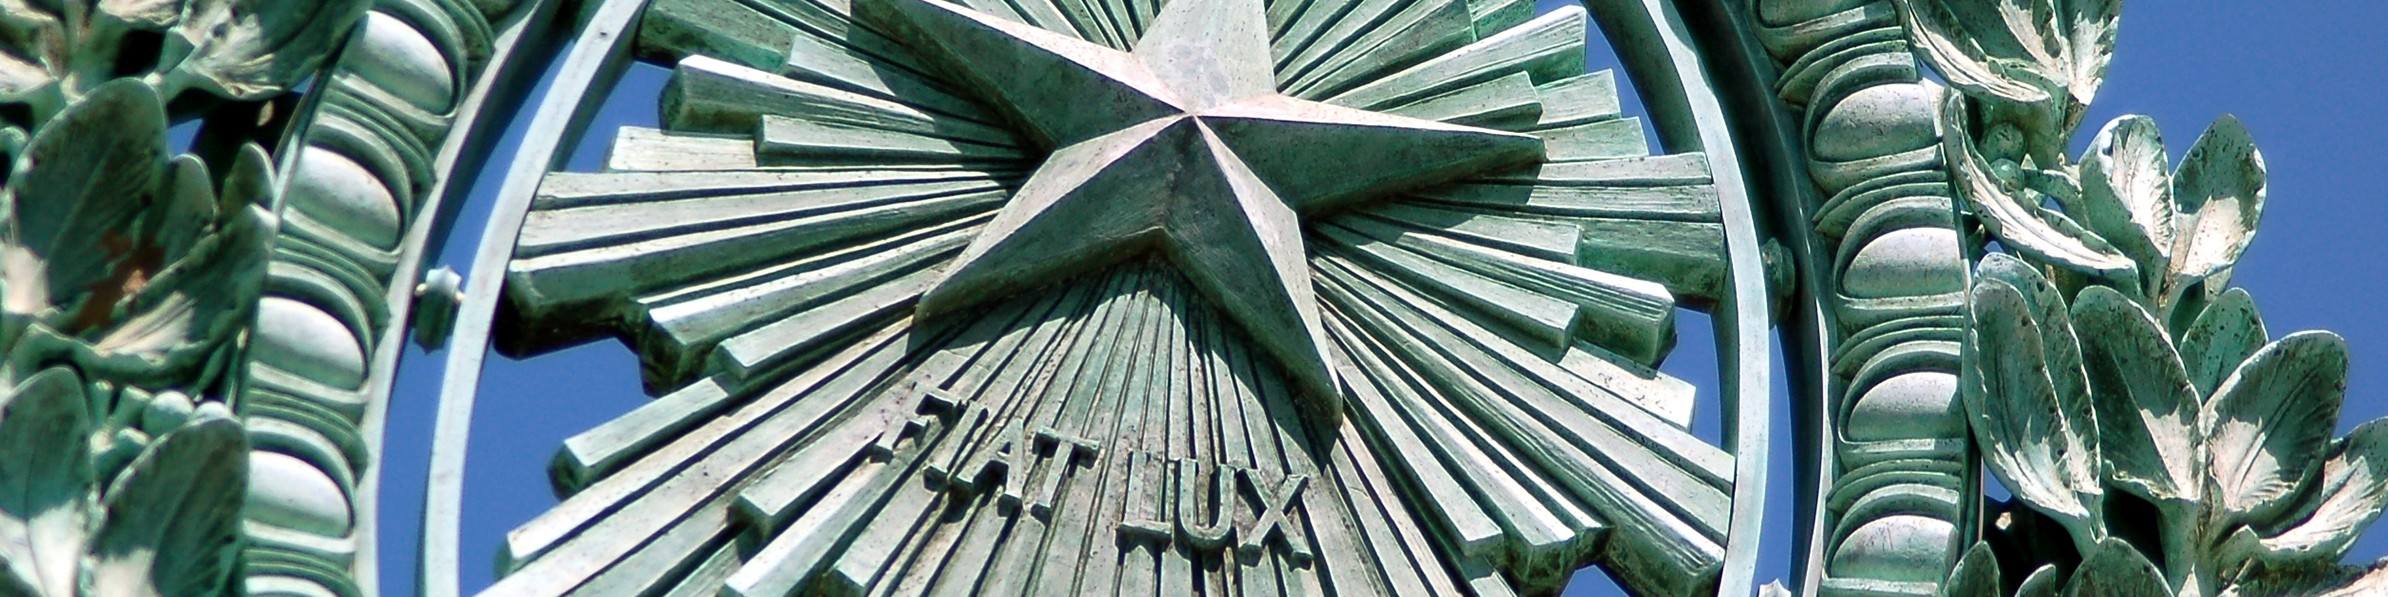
pixel 2306 76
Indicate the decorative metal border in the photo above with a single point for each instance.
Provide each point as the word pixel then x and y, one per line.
pixel 1651 35
pixel 412 107
pixel 408 108
pixel 1837 68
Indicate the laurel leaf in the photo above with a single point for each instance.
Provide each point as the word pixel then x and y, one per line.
pixel 45 473
pixel 2030 436
pixel 1940 36
pixel 31 37
pixel 2045 581
pixel 251 49
pixel 2147 409
pixel 2219 190
pixel 1976 574
pixel 2353 489
pixel 2026 227
pixel 2267 425
pixel 173 517
pixel 2094 23
pixel 83 179
pixel 2227 332
pixel 2127 192
pixel 2116 569
pixel 145 14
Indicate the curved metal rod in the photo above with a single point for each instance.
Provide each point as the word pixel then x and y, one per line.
pixel 596 60
pixel 1775 145
pixel 472 135
pixel 1673 80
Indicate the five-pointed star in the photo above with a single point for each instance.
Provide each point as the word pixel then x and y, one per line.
pixel 1183 146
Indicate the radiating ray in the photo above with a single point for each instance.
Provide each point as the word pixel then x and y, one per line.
pixel 1117 433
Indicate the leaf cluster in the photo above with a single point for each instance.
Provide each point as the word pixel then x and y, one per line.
pixel 2036 64
pixel 2118 217
pixel 134 267
pixel 53 52
pixel 2106 352
pixel 159 518
pixel 126 267
pixel 2226 431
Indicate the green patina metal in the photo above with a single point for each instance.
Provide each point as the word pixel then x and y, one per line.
pixel 1127 296
pixel 2098 362
pixel 960 299
pixel 133 278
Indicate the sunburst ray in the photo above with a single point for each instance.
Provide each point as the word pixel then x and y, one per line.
pixel 1116 432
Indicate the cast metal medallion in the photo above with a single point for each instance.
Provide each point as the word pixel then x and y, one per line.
pixel 1147 297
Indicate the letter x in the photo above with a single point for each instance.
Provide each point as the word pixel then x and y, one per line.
pixel 1272 517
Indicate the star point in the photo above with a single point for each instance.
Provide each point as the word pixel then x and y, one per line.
pixel 1184 147
pixel 1210 52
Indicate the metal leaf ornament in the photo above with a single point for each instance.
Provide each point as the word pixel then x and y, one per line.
pixel 1976 575
pixel 2245 477
pixel 2044 581
pixel 2039 61
pixel 124 270
pixel 2352 492
pixel 45 470
pixel 83 179
pixel 2219 194
pixel 209 288
pixel 251 49
pixel 2113 568
pixel 51 56
pixel 2014 214
pixel 2222 336
pixel 128 264
pixel 2037 437
pixel 1942 37
pixel 129 278
pixel 32 53
pixel 2168 240
pixel 2281 494
pixel 172 519
pixel 146 14
pixel 2188 406
pixel 2059 342
pixel 2127 192
pixel 2116 569
pixel 2266 427
pixel 2147 408
pixel 164 519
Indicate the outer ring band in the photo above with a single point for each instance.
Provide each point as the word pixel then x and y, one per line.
pixel 596 60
